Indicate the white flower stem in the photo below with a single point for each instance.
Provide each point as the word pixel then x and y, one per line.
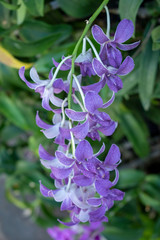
pixel 93 48
pixel 72 140
pixel 84 46
pixel 79 88
pixel 57 70
pixel 78 101
pixel 63 113
pixel 108 22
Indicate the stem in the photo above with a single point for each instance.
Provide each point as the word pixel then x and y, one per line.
pixel 93 48
pixel 63 113
pixel 72 140
pixel 84 46
pixel 57 70
pixel 108 22
pixel 74 54
pixel 80 104
pixel 79 88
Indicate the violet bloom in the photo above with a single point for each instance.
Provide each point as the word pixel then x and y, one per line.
pixel 110 74
pixel 40 86
pixel 123 32
pixel 61 234
pixel 84 61
pixel 95 120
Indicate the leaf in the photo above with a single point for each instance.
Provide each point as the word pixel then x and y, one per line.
pixel 148 70
pixel 7 59
pixel 156 38
pixel 133 127
pixel 79 9
pixel 154 114
pixel 17 113
pixel 35 7
pixel 149 201
pixel 118 233
pixel 129 8
pixel 29 49
pixel 21 12
pixel 9 5
pixel 34 30
pixel 130 178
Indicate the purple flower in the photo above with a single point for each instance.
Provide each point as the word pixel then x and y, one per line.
pixel 110 74
pixel 61 234
pixel 84 61
pixel 123 32
pixel 95 120
pixel 47 94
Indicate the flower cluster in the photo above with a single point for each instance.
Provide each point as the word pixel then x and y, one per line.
pixel 83 183
pixel 81 232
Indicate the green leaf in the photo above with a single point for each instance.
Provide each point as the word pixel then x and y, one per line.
pixel 147 76
pixel 9 5
pixel 17 113
pixel 154 114
pixel 133 127
pixel 129 8
pixel 79 8
pixel 21 12
pixel 29 49
pixel 118 233
pixel 130 178
pixel 156 38
pixel 148 200
pixel 35 7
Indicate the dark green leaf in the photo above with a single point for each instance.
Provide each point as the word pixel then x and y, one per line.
pixel 25 49
pixel 129 8
pixel 17 113
pixel 147 76
pixel 9 5
pixel 156 38
pixel 79 9
pixel 148 200
pixel 153 114
pixel 35 7
pixel 130 178
pixel 133 128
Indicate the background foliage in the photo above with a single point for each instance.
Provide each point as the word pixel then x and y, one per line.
pixel 31 33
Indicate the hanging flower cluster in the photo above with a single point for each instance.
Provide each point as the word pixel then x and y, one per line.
pixel 83 183
pixel 79 232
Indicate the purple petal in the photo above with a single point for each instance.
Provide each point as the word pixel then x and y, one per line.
pixel 21 74
pixel 99 35
pixel 44 154
pixel 126 47
pixel 126 67
pixel 96 87
pixel 111 56
pixel 93 101
pixel 82 181
pixel 98 67
pixel 40 123
pixel 107 104
pixel 58 85
pixel 114 83
pixel 66 204
pixel 56 101
pixel 34 76
pixel 46 192
pixel 63 159
pixel 61 173
pixel 64 67
pixel 124 31
pixel 45 100
pixel 51 73
pixel 75 116
pixel 100 151
pixel 68 224
pixel 113 155
pixel 116 177
pixel 94 202
pixel 102 186
pixel 98 215
pixel 108 130
pixel 83 151
pixel 81 131
pixel 52 132
pixel 116 194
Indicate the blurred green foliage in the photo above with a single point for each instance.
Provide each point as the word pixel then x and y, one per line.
pixel 34 33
